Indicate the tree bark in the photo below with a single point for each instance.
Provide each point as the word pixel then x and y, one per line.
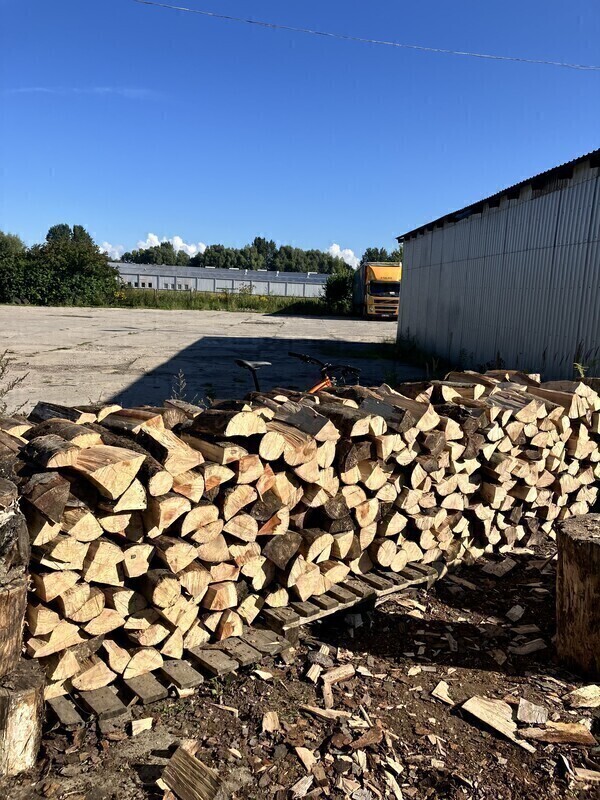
pixel 578 594
pixel 21 716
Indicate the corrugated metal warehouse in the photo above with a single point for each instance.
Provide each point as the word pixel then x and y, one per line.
pixel 514 278
pixel 205 279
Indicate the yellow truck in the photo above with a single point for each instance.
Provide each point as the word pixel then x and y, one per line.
pixel 376 289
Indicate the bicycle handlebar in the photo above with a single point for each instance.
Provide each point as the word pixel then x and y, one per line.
pixel 307 359
pixel 345 369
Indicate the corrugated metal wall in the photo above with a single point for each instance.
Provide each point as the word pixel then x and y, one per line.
pixel 519 282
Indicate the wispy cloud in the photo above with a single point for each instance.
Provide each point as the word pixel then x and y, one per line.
pixel 349 256
pixel 128 92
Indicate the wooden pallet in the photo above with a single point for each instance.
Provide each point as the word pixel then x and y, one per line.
pixel 111 705
pixel 373 587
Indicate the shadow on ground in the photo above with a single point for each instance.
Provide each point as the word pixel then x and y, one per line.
pixel 208 370
pixel 464 624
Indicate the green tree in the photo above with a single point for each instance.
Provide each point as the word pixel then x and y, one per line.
pixel 266 248
pixel 264 254
pixel 58 233
pixel 381 254
pixel 163 253
pixel 68 269
pixel 81 236
pixel 12 256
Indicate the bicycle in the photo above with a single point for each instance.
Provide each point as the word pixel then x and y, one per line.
pixel 331 374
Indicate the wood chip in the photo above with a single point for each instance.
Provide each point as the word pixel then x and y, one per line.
pixel 515 613
pixel 441 693
pixel 313 672
pixel 586 775
pixel 499 568
pixel 584 697
pixel 560 733
pixel 189 778
pixel 529 647
pixel 263 674
pixel 373 736
pixel 325 713
pixel 301 788
pixel 393 784
pixel 141 725
pixel 270 722
pixel 307 757
pixel 530 713
pixel 498 715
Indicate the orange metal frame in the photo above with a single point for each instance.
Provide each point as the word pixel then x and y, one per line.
pixel 324 384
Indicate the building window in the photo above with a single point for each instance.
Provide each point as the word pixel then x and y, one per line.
pixel 186 286
pixel 128 283
pixel 136 284
pixel 172 286
pixel 165 286
pixel 179 286
pixel 143 285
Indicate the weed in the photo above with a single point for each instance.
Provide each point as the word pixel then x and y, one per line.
pixel 178 386
pixel 7 384
pixel 581 370
pixel 179 391
pixel 224 301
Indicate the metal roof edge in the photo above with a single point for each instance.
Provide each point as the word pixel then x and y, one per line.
pixel 212 272
pixel 456 216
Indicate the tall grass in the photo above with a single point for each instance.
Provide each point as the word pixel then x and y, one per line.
pixel 225 301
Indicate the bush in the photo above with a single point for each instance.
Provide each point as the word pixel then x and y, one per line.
pixel 338 291
pixel 67 269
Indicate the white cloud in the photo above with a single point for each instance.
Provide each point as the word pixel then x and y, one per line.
pixel 128 92
pixel 191 249
pixel 348 255
pixel 114 251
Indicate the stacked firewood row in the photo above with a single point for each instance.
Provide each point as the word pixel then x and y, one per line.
pixel 157 530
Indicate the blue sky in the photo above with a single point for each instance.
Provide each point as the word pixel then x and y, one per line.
pixel 134 120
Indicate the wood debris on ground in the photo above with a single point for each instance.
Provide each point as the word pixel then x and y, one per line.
pixel 584 697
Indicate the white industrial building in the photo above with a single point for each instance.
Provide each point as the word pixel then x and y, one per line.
pixel 513 279
pixel 207 279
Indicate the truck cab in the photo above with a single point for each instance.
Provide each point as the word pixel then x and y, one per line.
pixel 377 289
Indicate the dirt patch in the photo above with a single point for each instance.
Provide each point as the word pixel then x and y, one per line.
pixel 397 740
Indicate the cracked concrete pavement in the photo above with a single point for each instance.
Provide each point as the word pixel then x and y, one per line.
pixel 82 355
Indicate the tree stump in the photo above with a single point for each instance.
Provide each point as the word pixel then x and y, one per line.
pixel 13 602
pixel 21 716
pixel 578 594
pixel 14 557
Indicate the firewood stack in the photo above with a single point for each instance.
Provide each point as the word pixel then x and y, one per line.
pixel 156 530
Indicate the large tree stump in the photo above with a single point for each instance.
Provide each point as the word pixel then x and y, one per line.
pixel 578 594
pixel 13 602
pixel 21 717
pixel 14 557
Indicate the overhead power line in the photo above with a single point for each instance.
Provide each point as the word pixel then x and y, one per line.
pixel 347 38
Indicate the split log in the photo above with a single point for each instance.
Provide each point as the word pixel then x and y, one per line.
pixel 51 452
pixel 110 469
pixel 174 454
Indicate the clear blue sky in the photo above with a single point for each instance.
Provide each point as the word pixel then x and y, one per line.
pixel 130 119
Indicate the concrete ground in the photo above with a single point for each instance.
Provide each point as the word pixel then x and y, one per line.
pixel 82 355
